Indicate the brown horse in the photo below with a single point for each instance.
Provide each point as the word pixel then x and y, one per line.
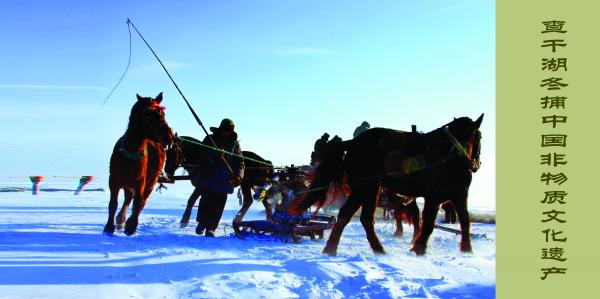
pixel 401 208
pixel 137 160
pixel 437 166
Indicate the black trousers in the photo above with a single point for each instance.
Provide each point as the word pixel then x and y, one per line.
pixel 210 209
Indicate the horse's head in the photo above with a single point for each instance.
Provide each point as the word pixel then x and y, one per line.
pixel 175 157
pixel 467 133
pixel 147 120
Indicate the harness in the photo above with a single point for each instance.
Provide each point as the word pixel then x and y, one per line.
pixel 436 162
pixel 129 155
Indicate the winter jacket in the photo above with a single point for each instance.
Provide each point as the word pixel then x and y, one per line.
pixel 214 174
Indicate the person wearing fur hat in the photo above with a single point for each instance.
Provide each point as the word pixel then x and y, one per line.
pixel 361 129
pixel 216 180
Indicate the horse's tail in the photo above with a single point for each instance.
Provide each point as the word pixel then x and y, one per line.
pixel 330 170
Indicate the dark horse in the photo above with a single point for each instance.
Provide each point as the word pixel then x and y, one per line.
pixel 137 160
pixel 437 166
pixel 187 152
pixel 449 213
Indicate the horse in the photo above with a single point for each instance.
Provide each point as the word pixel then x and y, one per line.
pixel 449 213
pixel 437 166
pixel 137 160
pixel 401 207
pixel 406 208
pixel 187 152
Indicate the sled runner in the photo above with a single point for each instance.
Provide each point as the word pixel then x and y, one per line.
pixel 286 227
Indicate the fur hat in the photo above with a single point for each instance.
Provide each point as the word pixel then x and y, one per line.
pixel 226 125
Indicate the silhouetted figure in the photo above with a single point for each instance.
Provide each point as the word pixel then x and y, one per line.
pixel 215 180
pixel 319 150
pixel 361 129
pixel 188 152
pixel 335 138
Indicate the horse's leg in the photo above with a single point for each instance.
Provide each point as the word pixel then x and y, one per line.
pixel 216 205
pixel 429 213
pixel 185 219
pixel 138 205
pixel 203 212
pixel 399 228
pixel 460 204
pixel 344 216
pixel 268 209
pixel 247 195
pixel 413 210
pixel 367 215
pixel 449 213
pixel 109 228
pixel 452 214
pixel 123 213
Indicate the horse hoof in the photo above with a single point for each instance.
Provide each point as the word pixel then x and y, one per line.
pixel 466 248
pixel 379 251
pixel 109 229
pixel 183 224
pixel 200 229
pixel 130 226
pixel 398 234
pixel 330 251
pixel 120 226
pixel 419 250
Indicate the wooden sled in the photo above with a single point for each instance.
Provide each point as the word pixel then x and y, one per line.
pixel 285 227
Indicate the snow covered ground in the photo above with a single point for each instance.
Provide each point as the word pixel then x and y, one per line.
pixel 52 246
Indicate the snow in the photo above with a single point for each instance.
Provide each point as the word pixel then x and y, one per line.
pixel 52 246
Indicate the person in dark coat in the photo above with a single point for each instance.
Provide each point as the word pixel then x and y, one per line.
pixel 361 129
pixel 215 179
pixel 320 149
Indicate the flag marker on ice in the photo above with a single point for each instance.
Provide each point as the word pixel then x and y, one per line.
pixel 35 181
pixel 84 180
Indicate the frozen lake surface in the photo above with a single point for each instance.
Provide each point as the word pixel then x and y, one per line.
pixel 52 246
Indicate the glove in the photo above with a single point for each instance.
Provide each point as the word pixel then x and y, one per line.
pixel 237 181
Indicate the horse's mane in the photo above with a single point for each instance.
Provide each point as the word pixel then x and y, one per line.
pixel 135 110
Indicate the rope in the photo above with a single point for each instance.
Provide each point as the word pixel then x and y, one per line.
pixel 126 69
pixel 224 151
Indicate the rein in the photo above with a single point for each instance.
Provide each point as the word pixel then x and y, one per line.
pixel 456 144
pixel 224 151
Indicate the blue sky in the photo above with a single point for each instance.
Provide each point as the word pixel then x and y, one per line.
pixel 284 71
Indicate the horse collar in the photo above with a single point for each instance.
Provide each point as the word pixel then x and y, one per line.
pixel 132 156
